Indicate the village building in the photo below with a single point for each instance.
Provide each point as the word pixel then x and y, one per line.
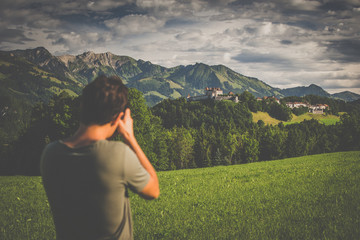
pixel 296 104
pixel 316 109
pixel 214 93
pixel 218 95
pixel 272 97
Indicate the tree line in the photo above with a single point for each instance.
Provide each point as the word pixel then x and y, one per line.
pixel 176 134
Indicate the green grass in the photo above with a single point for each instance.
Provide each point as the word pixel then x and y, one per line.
pixel 174 84
pixel 312 197
pixel 175 94
pixel 6 64
pixel 71 92
pixel 25 212
pixel 156 94
pixel 265 117
pixel 326 119
pixel 2 76
pixel 57 90
pixel 329 121
pixel 55 80
pixel 322 118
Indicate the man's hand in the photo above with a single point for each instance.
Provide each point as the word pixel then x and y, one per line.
pixel 125 125
pixel 125 128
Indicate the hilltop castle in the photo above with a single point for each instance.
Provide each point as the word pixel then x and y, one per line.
pixel 214 93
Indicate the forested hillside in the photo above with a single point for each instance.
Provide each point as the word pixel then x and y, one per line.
pixel 39 104
pixel 177 134
pixel 35 75
pixel 23 83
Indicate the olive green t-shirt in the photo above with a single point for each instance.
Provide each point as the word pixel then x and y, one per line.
pixel 87 189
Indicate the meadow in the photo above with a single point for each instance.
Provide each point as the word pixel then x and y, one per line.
pixel 311 197
pixel 322 118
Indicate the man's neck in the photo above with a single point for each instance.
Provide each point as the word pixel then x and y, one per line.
pixel 88 134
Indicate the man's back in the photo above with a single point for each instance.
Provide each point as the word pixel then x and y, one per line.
pixel 87 188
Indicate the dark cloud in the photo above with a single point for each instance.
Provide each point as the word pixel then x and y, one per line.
pixel 239 3
pixel 334 84
pixel 250 30
pixel 286 42
pixel 347 50
pixel 176 22
pixel 63 14
pixel 126 9
pixel 252 57
pixel 13 36
pixel 307 24
pixel 339 5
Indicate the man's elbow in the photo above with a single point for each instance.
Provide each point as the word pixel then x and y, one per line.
pixel 151 195
pixel 157 194
pixel 154 194
pixel 151 190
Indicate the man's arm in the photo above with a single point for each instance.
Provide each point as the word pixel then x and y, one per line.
pixel 125 128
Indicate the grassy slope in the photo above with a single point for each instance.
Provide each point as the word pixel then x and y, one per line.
pixel 326 119
pixel 313 197
pixel 265 117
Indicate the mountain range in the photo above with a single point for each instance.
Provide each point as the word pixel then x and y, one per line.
pixel 313 89
pixel 35 75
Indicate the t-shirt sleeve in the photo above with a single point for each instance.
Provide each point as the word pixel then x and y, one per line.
pixel 45 156
pixel 136 177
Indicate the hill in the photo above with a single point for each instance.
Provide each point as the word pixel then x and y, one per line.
pixel 34 76
pixel 313 89
pixel 28 77
pixel 312 197
pixel 346 96
pixel 303 91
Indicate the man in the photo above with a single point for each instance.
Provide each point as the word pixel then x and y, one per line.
pixel 86 176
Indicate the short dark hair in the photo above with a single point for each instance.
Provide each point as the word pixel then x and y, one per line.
pixel 102 100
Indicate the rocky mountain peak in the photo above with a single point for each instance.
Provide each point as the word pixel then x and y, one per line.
pixel 97 59
pixel 66 59
pixel 42 51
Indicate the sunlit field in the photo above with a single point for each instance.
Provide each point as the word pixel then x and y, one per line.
pixel 311 197
pixel 322 118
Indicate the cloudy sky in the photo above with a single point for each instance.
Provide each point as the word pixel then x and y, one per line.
pixel 285 43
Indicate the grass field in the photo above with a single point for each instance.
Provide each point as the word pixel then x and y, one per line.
pixel 265 117
pixel 312 197
pixel 325 119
